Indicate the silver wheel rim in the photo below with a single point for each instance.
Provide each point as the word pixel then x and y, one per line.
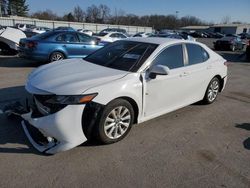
pixel 57 57
pixel 117 122
pixel 213 90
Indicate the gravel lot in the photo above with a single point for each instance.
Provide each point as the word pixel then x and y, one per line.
pixel 197 146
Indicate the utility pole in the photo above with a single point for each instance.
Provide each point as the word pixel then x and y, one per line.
pixel 0 8
pixel 176 19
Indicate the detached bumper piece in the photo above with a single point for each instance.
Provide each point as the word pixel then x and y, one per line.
pixel 37 139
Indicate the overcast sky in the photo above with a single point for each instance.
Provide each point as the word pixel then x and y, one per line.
pixel 209 10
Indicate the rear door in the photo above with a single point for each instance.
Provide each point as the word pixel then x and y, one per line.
pixel 69 43
pixel 198 72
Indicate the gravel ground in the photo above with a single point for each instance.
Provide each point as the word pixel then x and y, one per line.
pixel 197 146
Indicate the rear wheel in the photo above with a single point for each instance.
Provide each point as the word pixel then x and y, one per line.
pixel 56 56
pixel 115 122
pixel 212 91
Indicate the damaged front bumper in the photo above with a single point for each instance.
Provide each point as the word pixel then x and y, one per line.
pixel 61 131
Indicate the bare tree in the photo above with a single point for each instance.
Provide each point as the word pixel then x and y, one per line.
pixel 92 14
pixel 79 14
pixel 226 20
pixel 45 15
pixel 117 16
pixel 104 12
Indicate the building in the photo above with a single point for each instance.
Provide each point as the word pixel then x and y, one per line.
pixel 221 28
pixel 231 28
pixel 192 28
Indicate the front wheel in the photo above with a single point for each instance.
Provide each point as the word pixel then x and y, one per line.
pixel 212 91
pixel 115 122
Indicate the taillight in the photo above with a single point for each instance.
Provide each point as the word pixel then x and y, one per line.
pixel 31 44
pixel 249 43
pixel 226 63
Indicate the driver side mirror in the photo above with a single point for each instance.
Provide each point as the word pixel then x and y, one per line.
pixel 158 70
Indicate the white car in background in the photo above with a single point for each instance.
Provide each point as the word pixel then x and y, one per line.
pixel 111 37
pixel 40 30
pixel 124 83
pixel 25 27
pixel 86 31
pixel 9 40
pixel 142 34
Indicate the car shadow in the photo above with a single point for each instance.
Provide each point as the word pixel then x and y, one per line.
pixel 12 137
pixel 15 61
pixel 246 126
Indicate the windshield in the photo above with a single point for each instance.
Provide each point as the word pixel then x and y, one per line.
pixel 122 55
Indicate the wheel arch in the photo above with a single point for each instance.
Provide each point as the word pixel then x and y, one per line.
pixel 58 50
pixel 221 81
pixel 134 105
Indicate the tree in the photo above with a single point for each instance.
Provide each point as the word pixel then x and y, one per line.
pixel 226 20
pixel 3 7
pixel 69 17
pixel 93 14
pixel 18 7
pixel 104 13
pixel 45 15
pixel 79 14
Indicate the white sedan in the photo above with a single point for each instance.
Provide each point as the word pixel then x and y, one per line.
pixel 124 83
pixel 111 37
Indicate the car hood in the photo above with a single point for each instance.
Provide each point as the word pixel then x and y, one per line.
pixel 70 77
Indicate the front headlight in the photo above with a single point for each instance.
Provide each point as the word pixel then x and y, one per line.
pixel 71 99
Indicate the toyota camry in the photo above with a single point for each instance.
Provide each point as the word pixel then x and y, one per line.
pixel 126 82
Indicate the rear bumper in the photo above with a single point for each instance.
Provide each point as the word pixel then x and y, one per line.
pixel 63 130
pixel 32 55
pixel 224 83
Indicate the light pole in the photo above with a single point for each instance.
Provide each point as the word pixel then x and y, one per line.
pixel 0 8
pixel 176 19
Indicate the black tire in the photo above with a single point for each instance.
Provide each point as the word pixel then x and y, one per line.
pixel 56 56
pixel 207 98
pixel 99 131
pixel 5 49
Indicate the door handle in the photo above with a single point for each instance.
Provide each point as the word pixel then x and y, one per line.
pixel 83 46
pixel 64 46
pixel 209 66
pixel 184 74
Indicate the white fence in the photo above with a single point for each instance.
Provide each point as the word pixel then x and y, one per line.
pixel 76 25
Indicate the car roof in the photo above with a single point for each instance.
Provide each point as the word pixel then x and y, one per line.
pixel 153 40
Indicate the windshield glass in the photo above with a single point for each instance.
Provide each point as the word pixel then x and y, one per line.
pixel 122 55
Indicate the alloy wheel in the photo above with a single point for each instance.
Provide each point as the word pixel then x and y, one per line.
pixel 213 90
pixel 117 122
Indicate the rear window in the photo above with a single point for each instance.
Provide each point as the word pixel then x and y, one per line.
pixel 44 35
pixel 196 54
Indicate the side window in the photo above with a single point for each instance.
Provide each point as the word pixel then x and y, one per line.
pixel 196 54
pixel 114 35
pixel 84 38
pixel 121 36
pixel 171 57
pixel 66 37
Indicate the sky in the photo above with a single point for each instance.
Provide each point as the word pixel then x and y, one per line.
pixel 208 10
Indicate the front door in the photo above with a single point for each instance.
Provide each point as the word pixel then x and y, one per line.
pixel 166 93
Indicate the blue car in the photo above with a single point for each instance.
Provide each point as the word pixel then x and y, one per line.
pixel 57 45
